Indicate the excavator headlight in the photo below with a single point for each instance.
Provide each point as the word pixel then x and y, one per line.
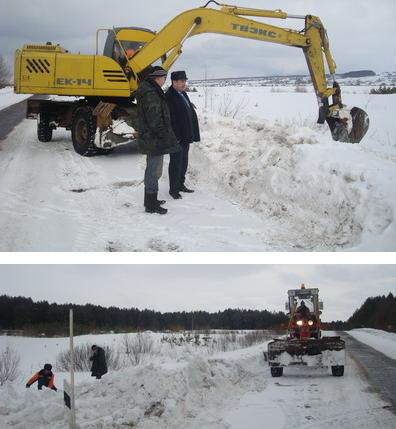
pixel 310 322
pixel 300 322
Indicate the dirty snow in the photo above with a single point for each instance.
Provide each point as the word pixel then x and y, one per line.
pixel 232 390
pixel 269 179
pixel 384 342
pixel 8 98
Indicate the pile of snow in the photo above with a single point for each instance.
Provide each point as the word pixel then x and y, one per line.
pixel 384 342
pixel 163 393
pixel 324 195
pixel 7 97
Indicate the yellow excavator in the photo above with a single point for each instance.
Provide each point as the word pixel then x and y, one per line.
pixel 103 86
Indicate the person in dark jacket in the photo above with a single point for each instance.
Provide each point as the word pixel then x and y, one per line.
pixel 44 377
pixel 155 134
pixel 99 365
pixel 303 310
pixel 185 126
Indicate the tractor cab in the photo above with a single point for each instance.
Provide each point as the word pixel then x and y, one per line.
pixel 304 309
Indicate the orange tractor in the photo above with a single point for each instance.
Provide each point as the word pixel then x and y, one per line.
pixel 304 344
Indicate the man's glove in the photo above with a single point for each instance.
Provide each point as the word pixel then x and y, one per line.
pixel 54 388
pixel 27 386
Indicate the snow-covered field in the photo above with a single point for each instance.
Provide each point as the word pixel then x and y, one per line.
pixel 269 179
pixel 190 388
pixel 7 97
pixel 385 342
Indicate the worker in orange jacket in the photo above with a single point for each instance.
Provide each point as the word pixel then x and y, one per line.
pixel 44 377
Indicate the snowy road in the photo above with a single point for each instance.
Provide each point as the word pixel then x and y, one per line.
pixel 260 186
pixel 379 369
pixel 55 200
pixel 306 398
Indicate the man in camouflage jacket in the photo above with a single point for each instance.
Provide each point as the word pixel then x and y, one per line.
pixel 156 137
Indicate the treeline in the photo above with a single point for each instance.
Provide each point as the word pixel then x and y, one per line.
pixel 377 312
pixel 41 317
pixel 384 90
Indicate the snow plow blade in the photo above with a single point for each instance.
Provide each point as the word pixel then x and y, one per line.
pixel 350 126
pixel 326 351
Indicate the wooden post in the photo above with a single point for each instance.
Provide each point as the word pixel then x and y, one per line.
pixel 73 409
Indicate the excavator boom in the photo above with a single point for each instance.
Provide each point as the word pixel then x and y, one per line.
pixel 345 125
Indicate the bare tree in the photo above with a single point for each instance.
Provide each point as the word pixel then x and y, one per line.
pixel 82 363
pixel 137 346
pixel 9 364
pixel 4 73
pixel 230 107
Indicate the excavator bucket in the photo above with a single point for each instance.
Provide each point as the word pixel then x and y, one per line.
pixel 350 126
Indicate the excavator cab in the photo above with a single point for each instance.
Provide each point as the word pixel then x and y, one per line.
pixel 124 42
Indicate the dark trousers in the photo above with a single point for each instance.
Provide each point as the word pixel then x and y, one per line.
pixel 178 165
pixel 40 384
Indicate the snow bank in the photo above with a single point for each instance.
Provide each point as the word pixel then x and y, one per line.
pixel 384 342
pixel 322 194
pixel 173 395
pixel 7 97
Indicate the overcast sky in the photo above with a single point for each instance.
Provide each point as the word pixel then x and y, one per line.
pixel 362 33
pixel 343 288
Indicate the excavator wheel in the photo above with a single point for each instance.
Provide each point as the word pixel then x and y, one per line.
pixel 44 130
pixel 276 371
pixel 337 371
pixel 83 131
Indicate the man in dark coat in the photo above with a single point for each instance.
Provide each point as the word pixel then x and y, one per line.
pixel 99 366
pixel 44 377
pixel 303 310
pixel 155 134
pixel 185 126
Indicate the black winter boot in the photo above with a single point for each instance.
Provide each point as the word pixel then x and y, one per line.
pixel 151 204
pixel 175 195
pixel 160 202
pixel 184 188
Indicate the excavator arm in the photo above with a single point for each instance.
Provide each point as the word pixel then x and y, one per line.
pixel 345 125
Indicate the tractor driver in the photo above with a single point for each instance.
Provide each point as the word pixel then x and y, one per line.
pixel 303 310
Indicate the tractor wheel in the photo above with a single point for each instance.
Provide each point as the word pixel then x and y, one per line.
pixel 276 371
pixel 337 371
pixel 83 131
pixel 44 131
